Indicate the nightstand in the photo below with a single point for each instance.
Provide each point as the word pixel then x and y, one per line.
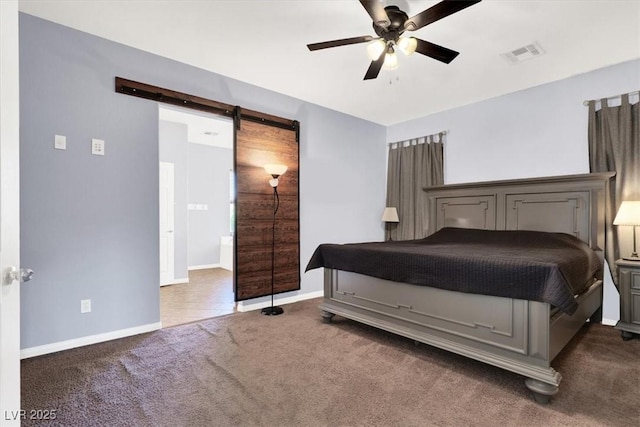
pixel 629 286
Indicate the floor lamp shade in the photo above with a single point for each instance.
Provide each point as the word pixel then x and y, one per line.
pixel 275 171
pixel 629 214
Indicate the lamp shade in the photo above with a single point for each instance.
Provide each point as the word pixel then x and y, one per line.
pixel 390 61
pixel 275 170
pixel 376 48
pixel 390 215
pixel 628 214
pixel 407 45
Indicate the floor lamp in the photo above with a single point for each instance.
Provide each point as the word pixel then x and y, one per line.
pixel 275 171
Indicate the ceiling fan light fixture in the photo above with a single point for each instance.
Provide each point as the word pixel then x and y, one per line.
pixel 390 61
pixel 407 45
pixel 376 48
pixel 389 23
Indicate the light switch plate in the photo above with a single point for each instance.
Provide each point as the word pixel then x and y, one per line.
pixel 85 306
pixel 60 142
pixel 97 147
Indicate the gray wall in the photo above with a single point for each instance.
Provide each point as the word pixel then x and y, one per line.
pixel 90 223
pixel 541 131
pixel 208 184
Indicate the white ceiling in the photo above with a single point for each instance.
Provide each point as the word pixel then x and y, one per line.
pixel 264 43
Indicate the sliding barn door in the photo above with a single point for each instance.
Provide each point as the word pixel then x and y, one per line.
pixel 258 144
pixel 260 139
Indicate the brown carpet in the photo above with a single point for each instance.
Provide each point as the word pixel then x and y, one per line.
pixel 293 370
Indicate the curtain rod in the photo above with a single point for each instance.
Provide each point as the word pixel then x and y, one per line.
pixel 444 132
pixel 636 92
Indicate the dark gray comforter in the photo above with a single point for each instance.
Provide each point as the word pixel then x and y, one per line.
pixel 531 265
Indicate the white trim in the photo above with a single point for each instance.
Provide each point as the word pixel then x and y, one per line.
pixel 176 282
pixel 203 267
pixel 166 215
pixel 9 212
pixel 609 322
pixel 259 303
pixel 26 353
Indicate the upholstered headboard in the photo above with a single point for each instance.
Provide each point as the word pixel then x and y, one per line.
pixel 572 204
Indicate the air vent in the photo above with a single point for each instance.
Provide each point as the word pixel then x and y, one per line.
pixel 522 54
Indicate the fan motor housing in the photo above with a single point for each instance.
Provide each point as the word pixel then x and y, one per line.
pixel 397 19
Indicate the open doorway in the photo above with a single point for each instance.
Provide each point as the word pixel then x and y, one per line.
pixel 196 215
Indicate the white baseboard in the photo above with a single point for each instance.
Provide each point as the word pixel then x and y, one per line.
pixel 26 353
pixel 608 322
pixel 203 267
pixel 250 305
pixel 242 306
pixel 176 282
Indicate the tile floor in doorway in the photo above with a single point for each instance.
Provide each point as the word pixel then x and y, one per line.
pixel 209 293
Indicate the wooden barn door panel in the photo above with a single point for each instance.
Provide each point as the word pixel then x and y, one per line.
pixel 258 144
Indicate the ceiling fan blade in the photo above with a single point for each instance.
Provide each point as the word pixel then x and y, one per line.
pixel 374 68
pixel 341 42
pixel 436 52
pixel 439 11
pixel 377 12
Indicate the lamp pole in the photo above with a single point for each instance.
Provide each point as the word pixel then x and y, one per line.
pixel 275 171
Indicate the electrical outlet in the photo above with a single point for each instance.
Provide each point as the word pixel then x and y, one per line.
pixel 85 306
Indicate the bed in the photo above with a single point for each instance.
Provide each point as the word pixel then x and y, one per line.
pixel 520 332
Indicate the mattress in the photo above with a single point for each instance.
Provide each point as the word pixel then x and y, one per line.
pixel 530 265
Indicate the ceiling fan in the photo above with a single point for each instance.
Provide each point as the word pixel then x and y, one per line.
pixel 390 23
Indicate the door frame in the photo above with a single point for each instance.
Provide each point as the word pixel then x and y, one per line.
pixel 10 412
pixel 170 276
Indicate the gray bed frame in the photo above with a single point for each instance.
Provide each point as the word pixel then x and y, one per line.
pixel 517 335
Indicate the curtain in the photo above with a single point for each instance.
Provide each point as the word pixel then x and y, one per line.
pixel 413 165
pixel 614 145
